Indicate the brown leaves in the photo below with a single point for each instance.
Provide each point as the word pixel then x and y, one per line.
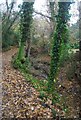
pixel 20 99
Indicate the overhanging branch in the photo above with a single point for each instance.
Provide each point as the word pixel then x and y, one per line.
pixel 46 16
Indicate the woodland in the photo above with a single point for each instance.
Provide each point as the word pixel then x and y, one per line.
pixel 41 61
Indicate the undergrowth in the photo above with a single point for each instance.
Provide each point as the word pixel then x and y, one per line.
pixel 41 85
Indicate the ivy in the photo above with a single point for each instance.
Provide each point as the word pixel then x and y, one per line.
pixel 60 38
pixel 26 20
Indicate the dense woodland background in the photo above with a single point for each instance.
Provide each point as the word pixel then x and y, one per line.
pixel 41 61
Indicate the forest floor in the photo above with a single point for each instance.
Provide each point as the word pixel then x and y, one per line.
pixel 21 100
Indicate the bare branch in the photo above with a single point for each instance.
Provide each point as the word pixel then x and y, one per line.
pixel 7 5
pixel 12 5
pixel 12 23
pixel 14 20
pixel 43 15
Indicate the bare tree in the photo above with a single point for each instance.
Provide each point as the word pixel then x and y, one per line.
pixel 7 19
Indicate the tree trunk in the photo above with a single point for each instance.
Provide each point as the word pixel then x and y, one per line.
pixel 21 51
pixel 27 54
pixel 80 32
pixel 52 21
pixel 80 54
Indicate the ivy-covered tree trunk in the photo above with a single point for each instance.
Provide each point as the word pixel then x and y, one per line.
pixel 25 29
pixel 28 24
pixel 60 37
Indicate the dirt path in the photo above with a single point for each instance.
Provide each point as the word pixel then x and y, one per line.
pixel 20 99
pixel 7 56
